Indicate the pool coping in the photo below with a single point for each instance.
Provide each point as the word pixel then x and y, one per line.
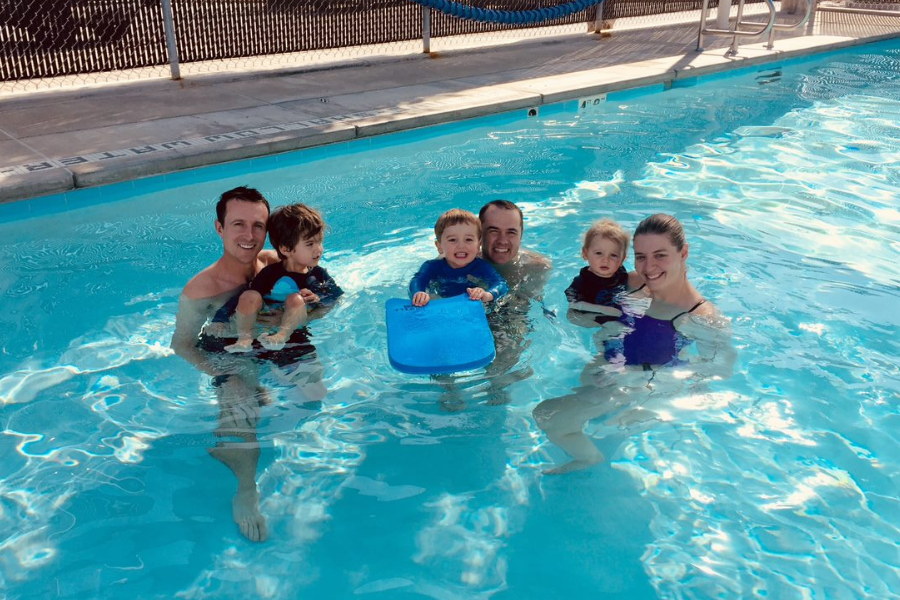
pixel 378 112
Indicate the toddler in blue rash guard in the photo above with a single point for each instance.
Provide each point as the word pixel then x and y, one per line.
pixel 458 270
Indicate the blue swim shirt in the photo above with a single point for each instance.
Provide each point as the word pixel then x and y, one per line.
pixel 440 279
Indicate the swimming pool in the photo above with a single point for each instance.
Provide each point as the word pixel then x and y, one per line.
pixel 779 482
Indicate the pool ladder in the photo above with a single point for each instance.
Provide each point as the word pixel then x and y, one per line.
pixel 769 27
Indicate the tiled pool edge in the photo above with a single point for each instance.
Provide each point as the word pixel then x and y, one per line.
pixel 475 98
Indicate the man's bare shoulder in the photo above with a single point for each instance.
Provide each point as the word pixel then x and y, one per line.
pixel 202 285
pixel 217 279
pixel 268 257
pixel 532 260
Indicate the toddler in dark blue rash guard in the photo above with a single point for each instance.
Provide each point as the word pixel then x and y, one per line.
pixel 596 287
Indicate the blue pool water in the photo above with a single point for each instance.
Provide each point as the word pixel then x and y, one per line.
pixel 780 482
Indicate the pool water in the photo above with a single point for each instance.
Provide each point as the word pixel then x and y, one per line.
pixel 779 482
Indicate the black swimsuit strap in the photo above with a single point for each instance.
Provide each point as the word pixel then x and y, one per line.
pixel 687 312
pixel 643 285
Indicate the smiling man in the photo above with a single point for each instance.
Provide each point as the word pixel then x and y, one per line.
pixel 241 217
pixel 525 271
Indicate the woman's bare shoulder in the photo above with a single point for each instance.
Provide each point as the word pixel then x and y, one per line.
pixel 708 315
pixel 635 281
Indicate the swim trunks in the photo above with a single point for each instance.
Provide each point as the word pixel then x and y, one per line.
pixel 296 348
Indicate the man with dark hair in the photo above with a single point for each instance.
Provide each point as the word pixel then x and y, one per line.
pixel 292 287
pixel 242 194
pixel 241 216
pixel 526 272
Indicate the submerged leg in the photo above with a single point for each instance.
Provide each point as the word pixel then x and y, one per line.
pixel 238 449
pixel 248 307
pixel 293 318
pixel 563 420
pixel 305 376
pixel 510 341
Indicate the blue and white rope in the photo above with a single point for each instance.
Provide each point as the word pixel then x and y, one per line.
pixel 475 13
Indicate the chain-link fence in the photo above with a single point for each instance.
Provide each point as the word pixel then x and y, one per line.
pixel 57 43
pixel 53 38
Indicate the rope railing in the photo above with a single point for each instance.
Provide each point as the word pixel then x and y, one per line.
pixel 60 43
pixel 519 17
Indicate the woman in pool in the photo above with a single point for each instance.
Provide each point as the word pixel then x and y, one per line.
pixel 663 318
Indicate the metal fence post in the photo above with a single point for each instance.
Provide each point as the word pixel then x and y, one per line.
pixel 426 30
pixel 599 23
pixel 171 46
pixel 723 14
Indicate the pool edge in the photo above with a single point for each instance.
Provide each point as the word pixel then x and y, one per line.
pixel 449 101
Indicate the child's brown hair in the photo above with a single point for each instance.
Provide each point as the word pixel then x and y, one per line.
pixel 289 224
pixel 456 216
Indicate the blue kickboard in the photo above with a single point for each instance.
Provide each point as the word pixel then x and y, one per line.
pixel 446 335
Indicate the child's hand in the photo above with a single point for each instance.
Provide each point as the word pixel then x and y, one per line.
pixel 421 299
pixel 309 297
pixel 480 294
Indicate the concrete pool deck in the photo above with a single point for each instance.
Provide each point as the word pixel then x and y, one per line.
pixel 55 141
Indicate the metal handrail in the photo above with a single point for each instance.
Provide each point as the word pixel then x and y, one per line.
pixel 704 14
pixel 788 27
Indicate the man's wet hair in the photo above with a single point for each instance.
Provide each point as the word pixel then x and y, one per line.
pixel 242 194
pixel 504 205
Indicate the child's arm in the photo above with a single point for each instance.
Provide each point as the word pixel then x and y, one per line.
pixel 480 294
pixel 584 306
pixel 322 288
pixel 418 286
pixel 495 286
pixel 321 295
pixel 317 306
pixel 309 296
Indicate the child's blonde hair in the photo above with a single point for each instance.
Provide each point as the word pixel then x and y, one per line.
pixel 456 216
pixel 606 229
